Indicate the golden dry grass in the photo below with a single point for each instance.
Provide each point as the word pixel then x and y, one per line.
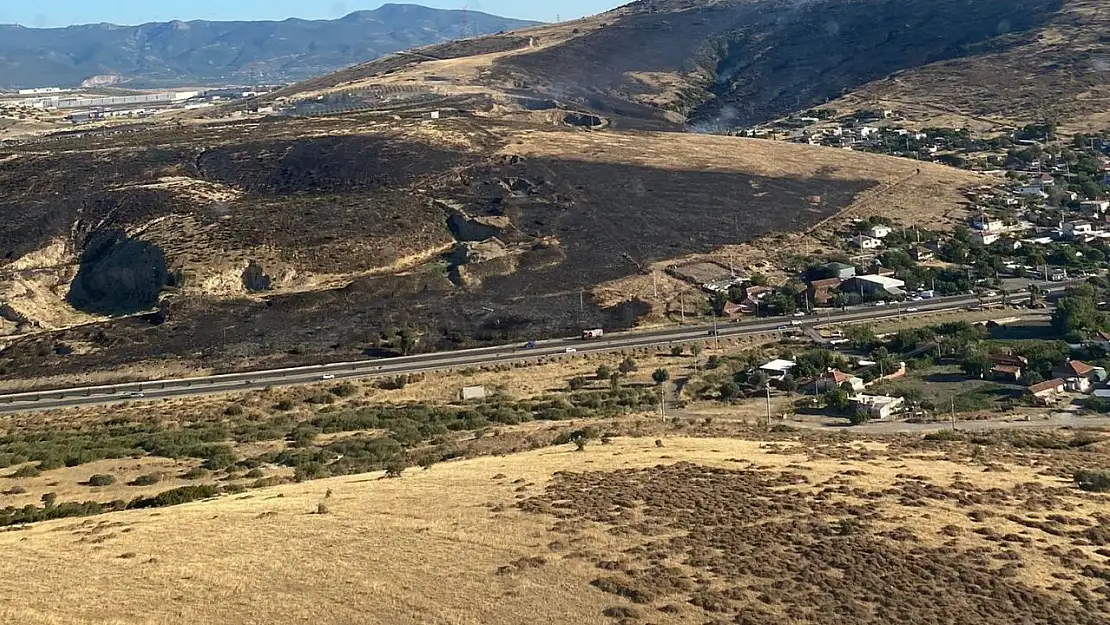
pixel 422 549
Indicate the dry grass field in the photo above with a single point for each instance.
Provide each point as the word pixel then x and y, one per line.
pixel 706 530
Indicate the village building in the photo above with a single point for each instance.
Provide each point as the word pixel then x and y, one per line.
pixel 877 406
pixel 1046 392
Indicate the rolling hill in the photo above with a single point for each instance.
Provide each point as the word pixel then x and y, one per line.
pixel 735 63
pixel 202 52
pixel 494 189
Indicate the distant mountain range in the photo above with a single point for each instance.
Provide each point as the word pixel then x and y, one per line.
pixel 201 52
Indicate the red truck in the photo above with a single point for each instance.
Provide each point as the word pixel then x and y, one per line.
pixel 592 334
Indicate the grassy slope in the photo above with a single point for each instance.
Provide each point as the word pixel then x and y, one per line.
pixel 428 548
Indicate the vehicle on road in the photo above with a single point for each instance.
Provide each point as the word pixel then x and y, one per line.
pixel 714 332
pixel 137 394
pixel 800 313
pixel 327 376
pixel 571 350
pixel 530 344
pixel 782 328
pixel 592 334
pixel 912 309
pixel 879 303
pixel 795 322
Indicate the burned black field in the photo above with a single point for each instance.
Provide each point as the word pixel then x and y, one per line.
pixel 343 234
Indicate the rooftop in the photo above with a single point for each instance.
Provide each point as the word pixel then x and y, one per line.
pixel 883 281
pixel 779 365
pixel 1047 385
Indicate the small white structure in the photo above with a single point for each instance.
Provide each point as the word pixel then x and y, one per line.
pixel 985 238
pixel 879 231
pixel 1073 229
pixel 881 284
pixel 865 242
pixel 778 368
pixel 474 392
pixel 877 406
pixel 987 224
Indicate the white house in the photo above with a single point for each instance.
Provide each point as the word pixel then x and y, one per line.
pixel 1032 191
pixel 879 231
pixel 778 368
pixel 877 406
pixel 987 224
pixel 865 242
pixel 880 284
pixel 1073 229
pixel 985 238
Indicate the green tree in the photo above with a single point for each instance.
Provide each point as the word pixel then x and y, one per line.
pixel 729 391
pixel 577 383
pixel 615 381
pixel 976 365
pixel 860 416
pixel 788 384
pixel 627 366
pixel 1077 313
pixel 603 372
pixel 860 336
pixel 660 376
pixel 407 341
pixel 837 399
pixel 677 350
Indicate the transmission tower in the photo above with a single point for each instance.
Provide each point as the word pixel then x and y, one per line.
pixel 464 27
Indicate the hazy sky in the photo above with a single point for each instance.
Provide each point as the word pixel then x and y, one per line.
pixel 51 13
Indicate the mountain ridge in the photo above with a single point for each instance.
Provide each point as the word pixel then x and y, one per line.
pixel 214 52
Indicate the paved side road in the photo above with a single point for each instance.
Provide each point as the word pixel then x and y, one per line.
pixel 211 385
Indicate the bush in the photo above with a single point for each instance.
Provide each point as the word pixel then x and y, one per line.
pixel 176 496
pixel 29 470
pixel 234 410
pixel 49 499
pixel 577 383
pixel 254 474
pixel 1093 481
pixel 195 474
pixel 284 405
pixel 150 479
pixel 101 479
pixel 345 389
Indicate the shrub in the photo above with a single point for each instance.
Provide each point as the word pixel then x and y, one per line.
pixel 101 479
pixel 603 372
pixel 345 389
pixel 234 410
pixel 150 479
pixel 176 496
pixel 28 470
pixel 284 405
pixel 677 350
pixel 395 469
pixel 254 474
pixel 15 490
pixel 577 383
pixel 195 474
pixel 49 499
pixel 1093 481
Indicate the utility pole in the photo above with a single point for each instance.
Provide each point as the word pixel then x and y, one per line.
pixel 682 306
pixel 768 422
pixel 655 283
pixel 953 413
pixel 716 339
pixel 662 404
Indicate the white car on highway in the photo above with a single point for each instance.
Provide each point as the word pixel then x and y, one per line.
pixel 571 350
pixel 327 376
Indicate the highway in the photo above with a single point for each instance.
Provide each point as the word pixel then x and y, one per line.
pixel 569 347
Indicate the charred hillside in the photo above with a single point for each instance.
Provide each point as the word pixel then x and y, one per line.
pixel 738 63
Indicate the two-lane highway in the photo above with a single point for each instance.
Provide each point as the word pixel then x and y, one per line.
pixel 210 385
